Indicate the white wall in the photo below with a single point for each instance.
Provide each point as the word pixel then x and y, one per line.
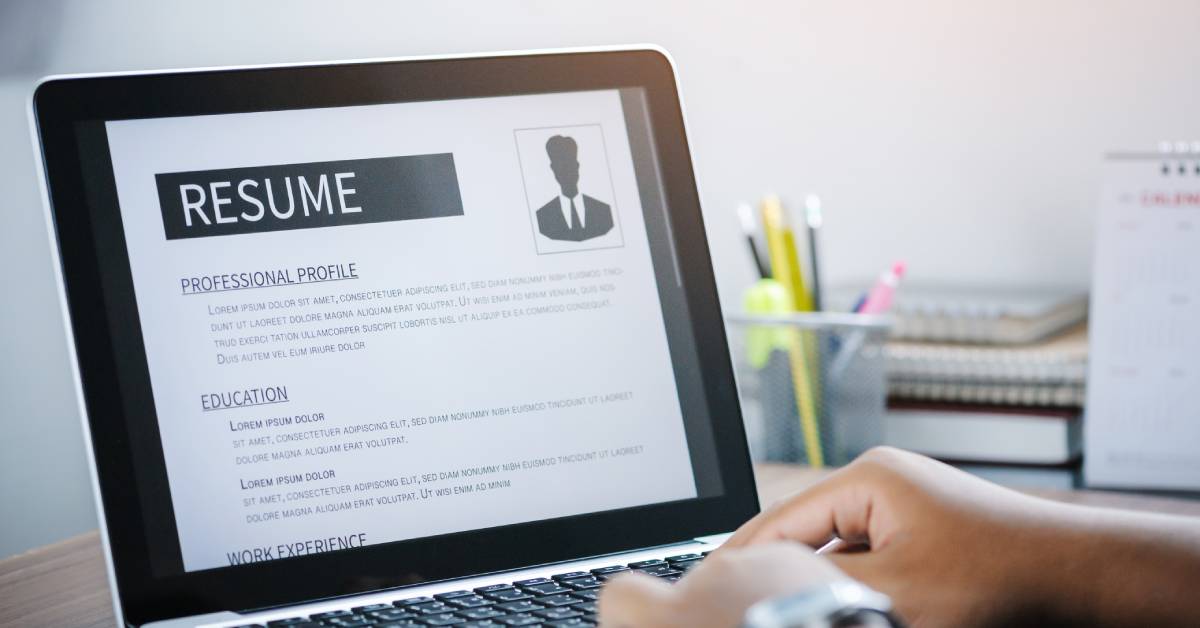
pixel 964 137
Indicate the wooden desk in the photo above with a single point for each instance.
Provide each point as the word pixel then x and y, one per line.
pixel 64 584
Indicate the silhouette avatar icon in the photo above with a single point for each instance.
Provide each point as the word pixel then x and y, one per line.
pixel 571 216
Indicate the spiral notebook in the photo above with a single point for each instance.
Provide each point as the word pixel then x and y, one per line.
pixel 990 315
pixel 1051 373
pixel 999 316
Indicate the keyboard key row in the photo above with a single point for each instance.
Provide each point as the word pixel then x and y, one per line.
pixel 565 599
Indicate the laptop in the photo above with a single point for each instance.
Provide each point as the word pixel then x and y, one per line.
pixel 425 341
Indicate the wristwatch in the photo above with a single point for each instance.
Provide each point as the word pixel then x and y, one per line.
pixel 837 604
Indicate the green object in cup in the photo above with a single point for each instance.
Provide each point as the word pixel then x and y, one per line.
pixel 766 296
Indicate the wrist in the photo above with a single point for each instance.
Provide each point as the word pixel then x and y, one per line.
pixel 1042 583
pixel 1027 573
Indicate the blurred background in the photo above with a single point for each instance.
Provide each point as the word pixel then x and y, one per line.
pixel 963 137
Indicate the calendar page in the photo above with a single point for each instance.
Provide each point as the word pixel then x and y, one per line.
pixel 1142 428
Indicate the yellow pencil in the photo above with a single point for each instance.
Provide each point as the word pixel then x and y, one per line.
pixel 785 266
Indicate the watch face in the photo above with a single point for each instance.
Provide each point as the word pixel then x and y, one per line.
pixel 866 618
pixel 841 603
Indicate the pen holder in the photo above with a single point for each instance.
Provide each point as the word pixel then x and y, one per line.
pixel 813 386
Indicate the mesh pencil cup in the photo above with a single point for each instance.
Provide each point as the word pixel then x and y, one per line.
pixel 813 386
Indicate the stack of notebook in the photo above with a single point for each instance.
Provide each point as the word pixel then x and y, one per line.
pixel 1049 373
pixel 988 378
pixel 992 317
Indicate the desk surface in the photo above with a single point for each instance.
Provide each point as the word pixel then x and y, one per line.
pixel 63 584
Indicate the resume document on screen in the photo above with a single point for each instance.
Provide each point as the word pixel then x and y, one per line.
pixel 377 323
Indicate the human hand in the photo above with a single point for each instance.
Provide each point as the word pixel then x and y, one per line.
pixel 948 548
pixel 716 593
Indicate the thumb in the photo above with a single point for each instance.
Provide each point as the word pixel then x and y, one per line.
pixel 635 599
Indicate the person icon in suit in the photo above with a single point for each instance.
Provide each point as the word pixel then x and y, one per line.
pixel 571 216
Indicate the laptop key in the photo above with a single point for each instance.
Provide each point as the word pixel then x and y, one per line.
pixel 683 557
pixel 647 563
pixel 290 621
pixel 570 574
pixel 658 570
pixel 583 584
pixel 586 607
pixel 479 613
pixel 481 623
pixel 469 601
pixel 556 600
pixel 521 619
pixel 355 621
pixel 684 565
pixel 546 588
pixel 432 608
pixel 609 570
pixel 524 606
pixel 371 607
pixel 493 587
pixel 424 599
pixel 558 613
pixel 587 596
pixel 448 619
pixel 508 595
pixel 451 595
pixel 403 623
pixel 531 582
pixel 568 623
pixel 330 615
pixel 391 614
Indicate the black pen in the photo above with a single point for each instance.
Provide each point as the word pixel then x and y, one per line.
pixel 746 216
pixel 812 218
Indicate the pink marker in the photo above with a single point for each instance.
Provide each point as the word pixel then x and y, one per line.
pixel 880 299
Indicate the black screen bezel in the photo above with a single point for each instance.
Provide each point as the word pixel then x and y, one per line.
pixel 60 105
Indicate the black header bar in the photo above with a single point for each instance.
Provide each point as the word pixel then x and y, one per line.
pixel 304 196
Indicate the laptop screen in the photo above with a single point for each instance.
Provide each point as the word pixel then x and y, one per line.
pixel 378 323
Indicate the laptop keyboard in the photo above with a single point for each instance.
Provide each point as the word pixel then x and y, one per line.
pixel 565 599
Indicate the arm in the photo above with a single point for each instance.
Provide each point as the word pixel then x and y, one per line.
pixel 1116 568
pixel 958 550
pixel 953 550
